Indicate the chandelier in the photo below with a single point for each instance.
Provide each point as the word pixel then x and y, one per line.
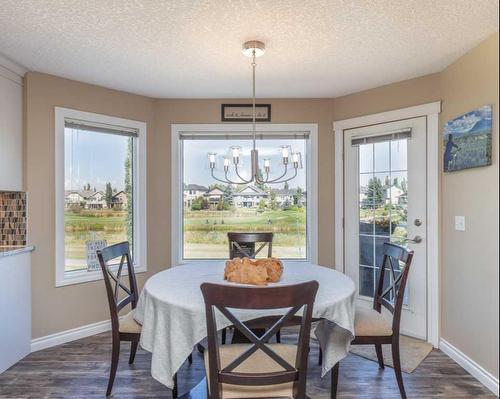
pixel 291 160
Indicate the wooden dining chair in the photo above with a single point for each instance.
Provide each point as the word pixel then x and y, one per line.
pixel 371 328
pixel 243 245
pixel 258 369
pixel 119 296
pixel 123 328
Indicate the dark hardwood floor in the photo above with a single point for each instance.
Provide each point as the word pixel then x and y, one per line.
pixel 80 370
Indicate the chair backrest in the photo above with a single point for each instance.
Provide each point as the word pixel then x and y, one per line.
pixel 242 245
pixel 292 297
pixel 390 292
pixel 119 295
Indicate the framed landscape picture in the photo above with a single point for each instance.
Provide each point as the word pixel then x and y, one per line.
pixel 467 140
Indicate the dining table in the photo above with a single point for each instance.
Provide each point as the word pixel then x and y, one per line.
pixel 171 311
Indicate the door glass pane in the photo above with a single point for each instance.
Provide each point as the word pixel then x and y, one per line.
pixel 366 250
pixel 365 158
pixel 379 249
pixel 398 155
pixel 366 281
pixel 383 206
pixel 366 219
pixel 382 156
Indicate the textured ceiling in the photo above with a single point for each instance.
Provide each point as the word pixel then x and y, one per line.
pixel 320 48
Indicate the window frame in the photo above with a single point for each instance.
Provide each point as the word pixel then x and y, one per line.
pixel 177 162
pixel 63 277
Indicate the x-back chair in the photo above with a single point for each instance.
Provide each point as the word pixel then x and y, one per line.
pixel 370 326
pixel 258 369
pixel 119 296
pixel 243 244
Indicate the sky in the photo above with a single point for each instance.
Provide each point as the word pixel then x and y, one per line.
pixel 95 158
pixel 98 158
pixel 470 121
pixel 383 157
pixel 196 170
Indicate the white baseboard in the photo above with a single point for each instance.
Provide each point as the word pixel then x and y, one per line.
pixel 482 375
pixel 69 335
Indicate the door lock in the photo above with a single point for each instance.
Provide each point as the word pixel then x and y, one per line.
pixel 417 222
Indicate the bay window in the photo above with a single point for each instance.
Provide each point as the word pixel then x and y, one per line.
pixel 100 184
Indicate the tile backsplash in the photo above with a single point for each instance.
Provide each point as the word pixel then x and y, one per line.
pixel 12 218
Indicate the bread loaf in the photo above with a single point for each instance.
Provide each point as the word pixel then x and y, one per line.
pixel 255 272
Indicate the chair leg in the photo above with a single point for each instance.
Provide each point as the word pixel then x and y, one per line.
pixel 278 337
pixel 320 357
pixel 380 356
pixel 335 381
pixel 133 351
pixel 115 355
pixel 397 367
pixel 175 394
pixel 224 334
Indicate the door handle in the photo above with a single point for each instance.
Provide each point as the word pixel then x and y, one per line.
pixel 414 240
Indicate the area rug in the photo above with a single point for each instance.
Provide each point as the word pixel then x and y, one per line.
pixel 412 351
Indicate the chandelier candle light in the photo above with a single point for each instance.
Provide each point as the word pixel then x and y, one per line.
pixel 255 49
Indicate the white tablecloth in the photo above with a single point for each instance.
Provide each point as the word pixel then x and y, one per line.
pixel 172 313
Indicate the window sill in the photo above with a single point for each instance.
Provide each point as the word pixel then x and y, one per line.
pixel 83 276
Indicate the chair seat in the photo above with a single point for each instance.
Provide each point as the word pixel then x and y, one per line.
pixel 128 324
pixel 259 362
pixel 369 322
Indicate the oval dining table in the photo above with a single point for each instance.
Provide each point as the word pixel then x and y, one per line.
pixel 172 312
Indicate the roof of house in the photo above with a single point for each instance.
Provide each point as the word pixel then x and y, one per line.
pixel 86 194
pixel 215 191
pixel 118 193
pixel 251 191
pixel 195 187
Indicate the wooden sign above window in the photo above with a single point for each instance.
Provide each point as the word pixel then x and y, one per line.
pixel 243 113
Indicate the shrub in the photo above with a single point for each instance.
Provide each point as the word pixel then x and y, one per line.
pixel 286 206
pixel 199 204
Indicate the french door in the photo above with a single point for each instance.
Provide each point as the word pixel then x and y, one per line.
pixel 385 201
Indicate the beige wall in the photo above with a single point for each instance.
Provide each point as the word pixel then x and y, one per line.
pixel 403 94
pixel 470 259
pixel 58 309
pixel 470 274
pixel 283 111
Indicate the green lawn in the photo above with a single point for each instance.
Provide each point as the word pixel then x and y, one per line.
pixel 205 232
pixel 80 226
